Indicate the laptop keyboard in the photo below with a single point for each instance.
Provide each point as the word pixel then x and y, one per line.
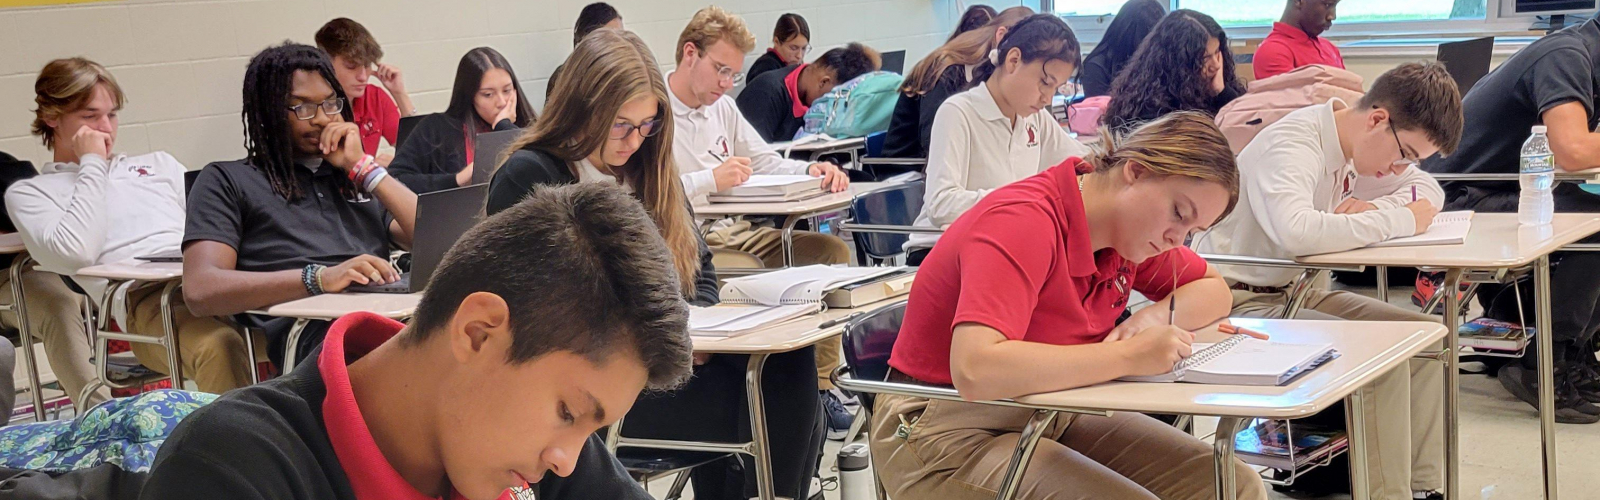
pixel 403 285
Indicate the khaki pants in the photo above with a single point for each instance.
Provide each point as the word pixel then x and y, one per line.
pixel 55 316
pixel 809 248
pixel 959 451
pixel 212 352
pixel 1405 410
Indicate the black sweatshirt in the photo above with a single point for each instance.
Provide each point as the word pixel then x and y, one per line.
pixel 767 62
pixel 268 441
pixel 434 153
pixel 911 125
pixel 528 168
pixel 767 105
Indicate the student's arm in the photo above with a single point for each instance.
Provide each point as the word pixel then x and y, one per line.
pixel 213 286
pixel 1056 146
pixel 401 203
pixel 1561 85
pixel 64 238
pixel 1202 294
pixel 1395 191
pixel 1002 273
pixel 1272 59
pixel 949 160
pixel 395 83
pixel 1574 145
pixel 1281 184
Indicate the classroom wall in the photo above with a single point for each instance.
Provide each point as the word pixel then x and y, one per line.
pixel 181 62
pixel 1369 67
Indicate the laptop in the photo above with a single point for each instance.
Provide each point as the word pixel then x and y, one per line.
pixel 486 150
pixel 167 256
pixel 894 61
pixel 1467 61
pixel 442 217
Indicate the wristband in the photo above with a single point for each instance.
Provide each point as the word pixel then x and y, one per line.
pixel 311 278
pixel 373 178
pixel 361 167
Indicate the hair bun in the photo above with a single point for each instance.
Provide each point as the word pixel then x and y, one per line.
pixel 994 57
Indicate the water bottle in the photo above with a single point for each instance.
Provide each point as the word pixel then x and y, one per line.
pixel 1537 205
pixel 855 473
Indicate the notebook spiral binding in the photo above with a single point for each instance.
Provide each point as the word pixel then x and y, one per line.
pixel 1206 355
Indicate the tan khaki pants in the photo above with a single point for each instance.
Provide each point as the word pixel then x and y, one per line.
pixel 1405 410
pixel 212 352
pixel 809 248
pixel 55 316
pixel 959 451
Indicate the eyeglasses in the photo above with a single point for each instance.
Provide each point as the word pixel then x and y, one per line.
pixel 1404 160
pixel 806 49
pixel 726 72
pixel 646 129
pixel 307 111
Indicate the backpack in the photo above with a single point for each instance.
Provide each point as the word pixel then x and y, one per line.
pixel 1269 99
pixel 1083 118
pixel 856 108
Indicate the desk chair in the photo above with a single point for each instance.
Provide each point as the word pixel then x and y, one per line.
pixel 646 465
pixel 867 343
pixel 892 206
pixel 877 167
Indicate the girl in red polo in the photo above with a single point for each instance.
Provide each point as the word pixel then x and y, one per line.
pixel 1021 297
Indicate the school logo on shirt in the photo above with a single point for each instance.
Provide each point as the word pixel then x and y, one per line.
pixel 722 145
pixel 140 170
pixel 1033 136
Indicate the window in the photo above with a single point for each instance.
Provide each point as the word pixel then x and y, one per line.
pixel 1239 13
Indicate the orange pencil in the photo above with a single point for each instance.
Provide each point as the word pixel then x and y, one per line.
pixel 1235 330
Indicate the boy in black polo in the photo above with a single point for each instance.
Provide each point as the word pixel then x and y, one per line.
pixel 502 379
pixel 1554 82
pixel 306 212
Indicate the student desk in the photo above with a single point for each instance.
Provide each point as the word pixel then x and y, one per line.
pixel 133 274
pixel 817 149
pixel 758 346
pixel 11 244
pixel 332 306
pixel 792 211
pixel 1496 246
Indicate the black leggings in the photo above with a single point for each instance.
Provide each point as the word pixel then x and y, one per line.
pixel 713 407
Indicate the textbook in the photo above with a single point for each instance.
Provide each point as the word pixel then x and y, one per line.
pixel 733 320
pixel 1267 443
pixel 871 290
pixel 797 285
pixel 1492 335
pixel 1449 228
pixel 771 188
pixel 1243 360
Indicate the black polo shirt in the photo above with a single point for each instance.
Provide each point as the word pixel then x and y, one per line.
pixel 1502 108
pixel 233 203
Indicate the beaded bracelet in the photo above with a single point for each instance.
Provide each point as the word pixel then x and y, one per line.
pixel 311 278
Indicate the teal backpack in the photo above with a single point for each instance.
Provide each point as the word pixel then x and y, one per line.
pixel 856 108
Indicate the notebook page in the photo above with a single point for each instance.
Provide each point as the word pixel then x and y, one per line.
pixel 1449 228
pixel 1254 357
pixel 797 283
pixel 763 180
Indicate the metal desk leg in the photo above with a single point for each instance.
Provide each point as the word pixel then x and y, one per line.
pixel 292 350
pixel 1383 283
pixel 1452 384
pixel 1299 291
pixel 1547 390
pixel 1226 483
pixel 758 425
pixel 19 307
pixel 169 323
pixel 788 240
pixel 1037 426
pixel 1355 420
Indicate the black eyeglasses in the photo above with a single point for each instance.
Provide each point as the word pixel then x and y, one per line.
pixel 307 111
pixel 1404 160
pixel 646 129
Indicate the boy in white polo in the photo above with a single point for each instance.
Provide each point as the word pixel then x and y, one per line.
pixel 1340 176
pixel 1000 131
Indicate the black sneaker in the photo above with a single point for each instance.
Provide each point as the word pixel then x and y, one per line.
pixel 1570 408
pixel 1586 377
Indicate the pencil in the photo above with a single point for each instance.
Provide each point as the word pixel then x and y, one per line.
pixel 1172 310
pixel 1413 194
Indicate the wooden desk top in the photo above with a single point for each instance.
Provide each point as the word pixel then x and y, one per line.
pixel 11 243
pixel 135 270
pixel 1367 350
pixel 333 305
pixel 1496 242
pixel 787 336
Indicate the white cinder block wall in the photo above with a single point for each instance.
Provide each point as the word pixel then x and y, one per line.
pixel 182 62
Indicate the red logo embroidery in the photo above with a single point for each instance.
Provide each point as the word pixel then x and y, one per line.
pixel 1033 137
pixel 722 142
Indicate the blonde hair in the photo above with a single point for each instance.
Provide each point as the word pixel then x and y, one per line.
pixel 1184 143
pixel 65 86
pixel 966 49
pixel 712 24
pixel 608 68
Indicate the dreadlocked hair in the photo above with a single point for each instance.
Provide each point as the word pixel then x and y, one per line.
pixel 269 147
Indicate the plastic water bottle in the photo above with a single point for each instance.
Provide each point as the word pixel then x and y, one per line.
pixel 1537 205
pixel 855 473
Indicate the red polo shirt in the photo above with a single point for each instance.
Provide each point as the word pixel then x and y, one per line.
pixel 371 476
pixel 1020 262
pixel 792 84
pixel 1288 47
pixel 378 116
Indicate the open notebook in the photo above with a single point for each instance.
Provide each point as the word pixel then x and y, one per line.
pixel 1243 360
pixel 732 320
pixel 1449 228
pixel 797 285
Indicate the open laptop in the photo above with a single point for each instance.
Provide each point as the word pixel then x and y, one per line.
pixel 1467 61
pixel 442 217
pixel 894 61
pixel 486 149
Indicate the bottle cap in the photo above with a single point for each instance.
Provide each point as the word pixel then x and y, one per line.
pixel 1539 129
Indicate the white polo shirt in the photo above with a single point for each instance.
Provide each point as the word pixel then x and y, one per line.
pixel 1292 176
pixel 706 136
pixel 975 149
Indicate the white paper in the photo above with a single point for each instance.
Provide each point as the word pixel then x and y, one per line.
pixel 1449 228
pixel 797 284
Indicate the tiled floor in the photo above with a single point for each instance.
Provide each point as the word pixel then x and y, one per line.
pixel 1499 445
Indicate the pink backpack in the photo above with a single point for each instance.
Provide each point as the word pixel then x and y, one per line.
pixel 1269 99
pixel 1083 118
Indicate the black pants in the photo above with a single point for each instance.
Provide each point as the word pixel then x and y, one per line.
pixel 915 256
pixel 596 475
pixel 713 407
pixel 1574 276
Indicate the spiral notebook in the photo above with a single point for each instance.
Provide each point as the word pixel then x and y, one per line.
pixel 1243 360
pixel 1449 228
pixel 796 285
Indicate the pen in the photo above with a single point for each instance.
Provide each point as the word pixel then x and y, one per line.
pixel 1413 194
pixel 1172 310
pixel 838 321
